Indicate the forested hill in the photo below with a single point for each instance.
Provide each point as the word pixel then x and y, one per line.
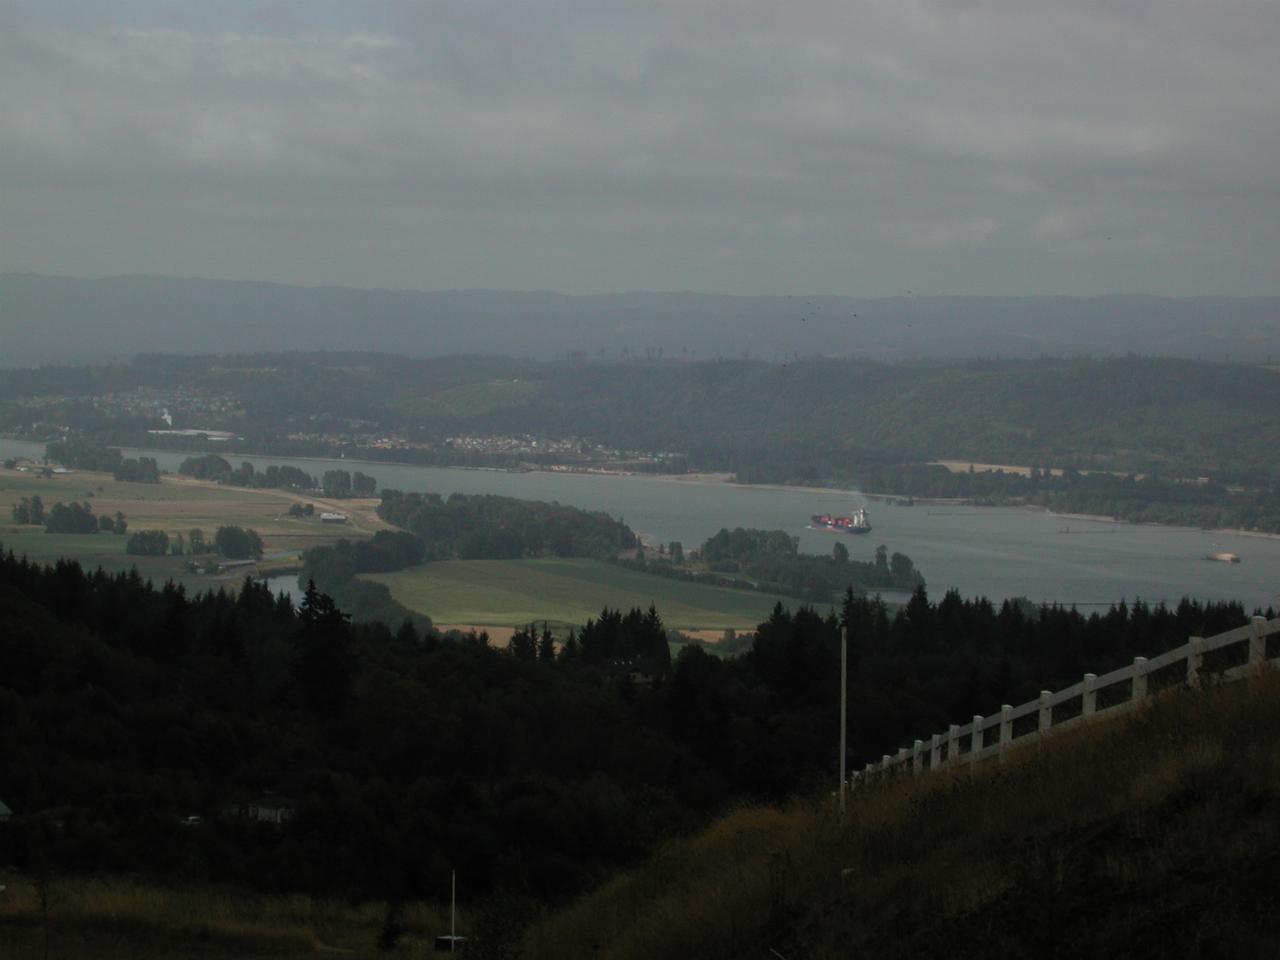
pixel 46 319
pixel 1125 414
pixel 821 419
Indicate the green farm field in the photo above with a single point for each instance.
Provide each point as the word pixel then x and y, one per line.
pixel 510 593
pixel 175 505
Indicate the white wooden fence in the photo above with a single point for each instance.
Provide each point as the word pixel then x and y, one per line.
pixel 1229 655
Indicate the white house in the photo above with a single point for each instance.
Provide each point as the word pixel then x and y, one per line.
pixel 270 808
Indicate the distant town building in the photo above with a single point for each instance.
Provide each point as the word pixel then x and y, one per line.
pixel 272 809
pixel 268 808
pixel 218 435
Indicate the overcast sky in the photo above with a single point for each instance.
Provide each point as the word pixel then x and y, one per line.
pixel 864 148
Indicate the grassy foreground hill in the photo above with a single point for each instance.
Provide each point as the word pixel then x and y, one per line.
pixel 1153 835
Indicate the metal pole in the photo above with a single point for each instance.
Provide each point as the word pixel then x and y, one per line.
pixel 844 696
pixel 453 907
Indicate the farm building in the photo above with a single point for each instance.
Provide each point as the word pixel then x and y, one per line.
pixel 268 808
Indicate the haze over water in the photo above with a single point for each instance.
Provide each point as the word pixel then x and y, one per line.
pixel 994 552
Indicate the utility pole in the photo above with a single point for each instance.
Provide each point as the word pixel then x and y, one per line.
pixel 844 697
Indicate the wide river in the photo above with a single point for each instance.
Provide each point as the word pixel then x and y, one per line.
pixel 996 552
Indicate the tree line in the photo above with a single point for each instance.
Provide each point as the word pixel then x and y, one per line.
pixel 334 569
pixel 1146 498
pixel 485 526
pixel 774 557
pixel 66 517
pixel 770 561
pixel 339 484
pixel 79 453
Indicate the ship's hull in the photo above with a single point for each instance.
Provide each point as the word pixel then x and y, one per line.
pixel 852 525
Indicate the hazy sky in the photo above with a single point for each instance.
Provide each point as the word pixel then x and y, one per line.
pixel 865 148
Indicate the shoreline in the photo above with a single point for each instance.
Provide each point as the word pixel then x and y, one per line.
pixel 713 479
pixel 1234 531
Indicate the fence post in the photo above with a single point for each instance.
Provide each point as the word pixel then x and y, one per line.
pixel 1195 660
pixel 1139 679
pixel 1045 721
pixel 1006 727
pixel 917 756
pixel 1258 641
pixel 953 743
pixel 975 742
pixel 904 756
pixel 1089 698
pixel 884 765
pixel 935 752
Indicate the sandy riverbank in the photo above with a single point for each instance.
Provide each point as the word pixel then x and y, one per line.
pixel 1097 518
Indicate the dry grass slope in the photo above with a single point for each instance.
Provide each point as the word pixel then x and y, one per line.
pixel 1152 835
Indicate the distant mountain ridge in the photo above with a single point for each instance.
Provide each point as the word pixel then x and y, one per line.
pixel 57 320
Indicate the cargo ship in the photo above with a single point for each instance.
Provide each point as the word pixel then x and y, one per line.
pixel 858 523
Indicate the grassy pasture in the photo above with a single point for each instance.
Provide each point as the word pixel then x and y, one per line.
pixel 508 593
pixel 175 505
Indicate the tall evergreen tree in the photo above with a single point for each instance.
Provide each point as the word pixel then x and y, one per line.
pixel 323 664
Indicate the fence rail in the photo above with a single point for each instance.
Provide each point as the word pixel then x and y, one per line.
pixel 1228 655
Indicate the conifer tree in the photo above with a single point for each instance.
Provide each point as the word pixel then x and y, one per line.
pixel 323 664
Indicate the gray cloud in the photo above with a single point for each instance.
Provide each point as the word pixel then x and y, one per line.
pixel 859 147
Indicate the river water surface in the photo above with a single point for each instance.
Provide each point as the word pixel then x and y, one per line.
pixel 996 552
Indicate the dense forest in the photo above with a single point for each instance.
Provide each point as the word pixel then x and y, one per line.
pixel 1131 414
pixel 139 724
pixel 488 527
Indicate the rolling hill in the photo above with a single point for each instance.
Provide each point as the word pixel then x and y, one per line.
pixel 60 320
